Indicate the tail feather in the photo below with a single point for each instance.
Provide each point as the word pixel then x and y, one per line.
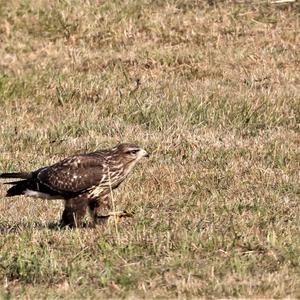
pixel 29 187
pixel 22 175
pixel 17 189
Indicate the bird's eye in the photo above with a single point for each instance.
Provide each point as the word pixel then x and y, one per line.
pixel 133 151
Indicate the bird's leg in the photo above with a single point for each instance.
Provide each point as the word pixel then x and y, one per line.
pixel 75 209
pixel 99 207
pixel 116 216
pixel 101 214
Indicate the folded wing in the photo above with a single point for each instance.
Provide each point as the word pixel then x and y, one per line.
pixel 75 174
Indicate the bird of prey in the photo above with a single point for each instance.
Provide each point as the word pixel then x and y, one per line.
pixel 83 181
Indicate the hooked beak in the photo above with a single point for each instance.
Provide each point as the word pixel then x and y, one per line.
pixel 145 153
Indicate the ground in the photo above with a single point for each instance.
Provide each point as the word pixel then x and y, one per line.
pixel 211 88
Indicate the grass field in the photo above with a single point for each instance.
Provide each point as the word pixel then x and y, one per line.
pixel 212 89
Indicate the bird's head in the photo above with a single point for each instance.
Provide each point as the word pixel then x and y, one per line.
pixel 131 152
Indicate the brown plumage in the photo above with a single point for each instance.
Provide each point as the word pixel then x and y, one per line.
pixel 83 181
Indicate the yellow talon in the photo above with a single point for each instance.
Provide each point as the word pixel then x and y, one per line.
pixel 117 216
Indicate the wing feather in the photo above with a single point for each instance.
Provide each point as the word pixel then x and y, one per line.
pixel 75 174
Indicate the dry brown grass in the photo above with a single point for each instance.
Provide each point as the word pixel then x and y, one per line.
pixel 212 89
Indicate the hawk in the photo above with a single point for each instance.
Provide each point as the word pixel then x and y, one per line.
pixel 83 181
